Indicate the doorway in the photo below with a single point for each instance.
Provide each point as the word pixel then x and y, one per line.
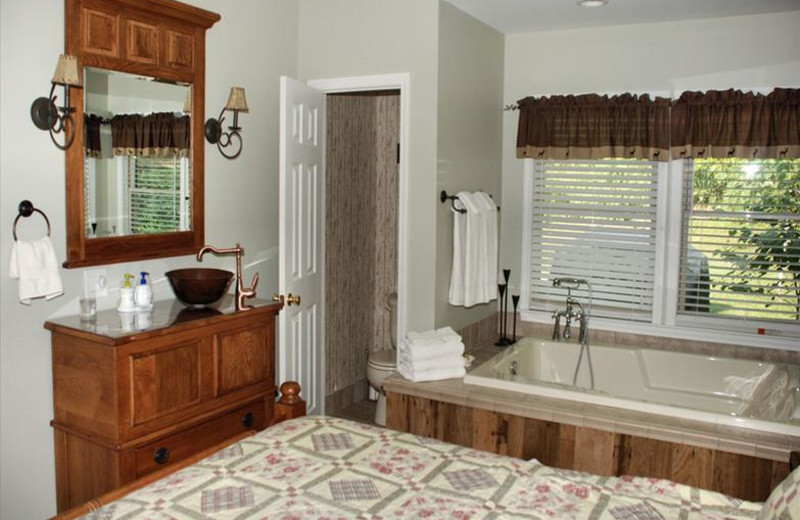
pixel 361 241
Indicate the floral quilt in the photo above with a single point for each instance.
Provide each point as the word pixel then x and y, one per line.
pixel 321 468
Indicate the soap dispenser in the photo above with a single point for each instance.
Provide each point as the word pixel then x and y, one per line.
pixel 144 294
pixel 126 296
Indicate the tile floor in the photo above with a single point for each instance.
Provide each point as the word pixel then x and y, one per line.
pixel 363 412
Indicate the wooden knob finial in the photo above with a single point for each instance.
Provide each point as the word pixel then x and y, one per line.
pixel 290 392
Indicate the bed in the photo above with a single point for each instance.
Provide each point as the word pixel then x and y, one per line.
pixel 323 468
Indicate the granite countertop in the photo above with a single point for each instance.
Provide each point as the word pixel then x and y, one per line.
pixel 118 327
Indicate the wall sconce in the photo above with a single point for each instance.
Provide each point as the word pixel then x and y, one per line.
pixel 213 130
pixel 44 113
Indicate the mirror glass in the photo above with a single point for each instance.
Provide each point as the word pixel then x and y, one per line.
pixel 137 166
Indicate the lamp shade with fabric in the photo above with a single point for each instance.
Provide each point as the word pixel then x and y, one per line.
pixel 67 71
pixel 237 101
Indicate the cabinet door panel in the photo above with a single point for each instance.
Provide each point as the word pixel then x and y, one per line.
pixel 165 381
pixel 100 33
pixel 142 43
pixel 242 359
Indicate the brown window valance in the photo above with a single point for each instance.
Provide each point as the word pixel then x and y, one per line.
pixel 591 126
pixel 732 123
pixel 159 134
pixel 91 124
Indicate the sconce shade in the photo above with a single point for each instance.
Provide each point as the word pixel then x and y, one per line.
pixel 237 101
pixel 67 71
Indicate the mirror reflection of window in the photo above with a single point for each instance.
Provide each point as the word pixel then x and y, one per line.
pixel 136 181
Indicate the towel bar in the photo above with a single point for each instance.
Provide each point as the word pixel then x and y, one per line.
pixel 26 209
pixel 443 197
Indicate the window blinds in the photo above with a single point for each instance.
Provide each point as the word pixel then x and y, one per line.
pixel 740 246
pixel 595 220
pixel 154 191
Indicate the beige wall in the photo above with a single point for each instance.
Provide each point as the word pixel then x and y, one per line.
pixel 661 58
pixel 469 137
pixel 264 33
pixel 367 37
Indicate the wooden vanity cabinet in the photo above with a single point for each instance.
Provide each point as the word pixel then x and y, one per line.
pixel 128 404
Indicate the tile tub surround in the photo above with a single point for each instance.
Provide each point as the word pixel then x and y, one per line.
pixel 731 439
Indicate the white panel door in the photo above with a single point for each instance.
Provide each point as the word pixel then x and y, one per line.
pixel 302 210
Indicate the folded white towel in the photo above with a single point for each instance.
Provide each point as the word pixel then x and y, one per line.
pixel 430 349
pixel 34 264
pixel 421 365
pixel 434 374
pixel 442 333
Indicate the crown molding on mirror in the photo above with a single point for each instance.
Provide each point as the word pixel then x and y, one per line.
pixel 160 39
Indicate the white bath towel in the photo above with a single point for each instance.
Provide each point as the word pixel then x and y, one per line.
pixel 433 375
pixel 474 273
pixel 441 333
pixel 430 349
pixel 438 362
pixel 34 264
pixel 488 253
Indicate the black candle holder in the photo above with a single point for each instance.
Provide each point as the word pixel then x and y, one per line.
pixel 504 340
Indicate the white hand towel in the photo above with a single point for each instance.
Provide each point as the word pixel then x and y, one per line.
pixel 432 349
pixel 34 264
pixel 489 250
pixel 421 365
pixel 434 375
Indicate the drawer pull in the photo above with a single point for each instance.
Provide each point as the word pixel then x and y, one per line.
pixel 248 420
pixel 161 456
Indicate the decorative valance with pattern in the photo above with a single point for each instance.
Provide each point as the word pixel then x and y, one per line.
pixel 91 124
pixel 160 134
pixel 732 123
pixel 592 126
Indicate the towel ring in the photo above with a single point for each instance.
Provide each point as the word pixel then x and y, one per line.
pixel 26 209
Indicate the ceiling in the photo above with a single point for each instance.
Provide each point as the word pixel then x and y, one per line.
pixel 518 16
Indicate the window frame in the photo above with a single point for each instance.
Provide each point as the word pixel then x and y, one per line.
pixel 184 220
pixel 666 321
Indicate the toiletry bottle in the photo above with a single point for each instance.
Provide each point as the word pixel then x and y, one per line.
pixel 144 293
pixel 126 302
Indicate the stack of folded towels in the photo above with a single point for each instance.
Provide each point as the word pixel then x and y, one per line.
pixel 432 355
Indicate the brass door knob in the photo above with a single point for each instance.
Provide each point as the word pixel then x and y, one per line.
pixel 289 300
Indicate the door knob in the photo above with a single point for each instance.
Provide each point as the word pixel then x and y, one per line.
pixel 289 300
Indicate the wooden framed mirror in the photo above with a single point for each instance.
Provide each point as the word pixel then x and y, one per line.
pixel 143 69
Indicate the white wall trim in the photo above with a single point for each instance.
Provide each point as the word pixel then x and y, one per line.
pixel 401 82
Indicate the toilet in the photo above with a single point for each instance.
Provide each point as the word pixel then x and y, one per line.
pixel 382 364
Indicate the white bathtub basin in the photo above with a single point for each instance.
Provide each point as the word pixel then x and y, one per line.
pixel 693 386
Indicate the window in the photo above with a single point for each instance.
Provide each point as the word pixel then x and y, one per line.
pixel 595 220
pixel 740 255
pixel 158 194
pixel 716 248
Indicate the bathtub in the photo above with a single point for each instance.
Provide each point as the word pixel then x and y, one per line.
pixel 751 394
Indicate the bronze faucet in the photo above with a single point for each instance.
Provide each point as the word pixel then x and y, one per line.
pixel 241 291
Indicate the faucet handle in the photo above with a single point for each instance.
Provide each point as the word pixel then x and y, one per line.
pixel 254 283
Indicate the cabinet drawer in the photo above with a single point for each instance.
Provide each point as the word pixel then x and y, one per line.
pixel 160 453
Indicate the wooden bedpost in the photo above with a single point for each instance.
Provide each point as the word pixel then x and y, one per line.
pixel 290 404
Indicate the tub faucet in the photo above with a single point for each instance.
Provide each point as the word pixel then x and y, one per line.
pixel 242 292
pixel 574 311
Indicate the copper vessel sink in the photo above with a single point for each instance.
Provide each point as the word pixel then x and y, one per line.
pixel 198 286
